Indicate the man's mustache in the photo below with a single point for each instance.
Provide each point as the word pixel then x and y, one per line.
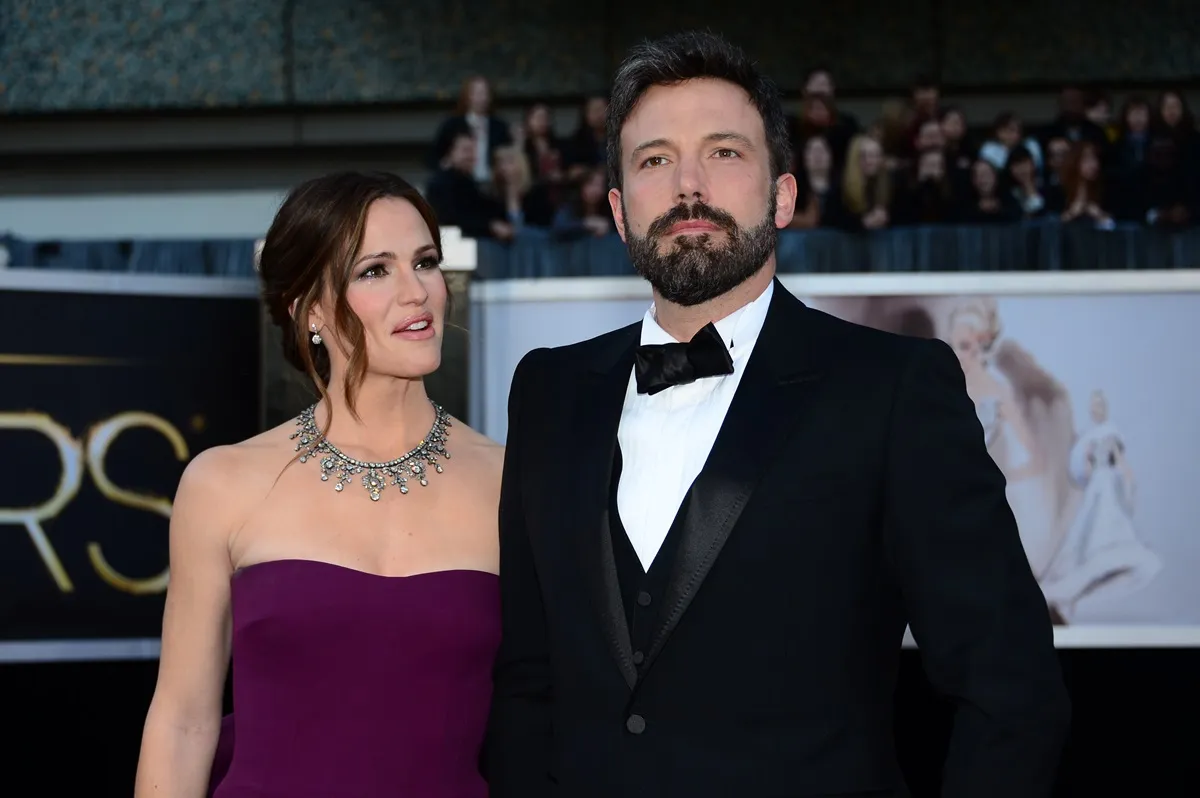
pixel 695 212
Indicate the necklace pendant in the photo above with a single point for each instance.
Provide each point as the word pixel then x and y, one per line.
pixel 374 484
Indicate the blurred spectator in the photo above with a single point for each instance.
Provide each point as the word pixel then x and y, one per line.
pixel 926 99
pixel 1072 122
pixel 819 117
pixel 891 130
pixel 1083 185
pixel 960 150
pixel 925 105
pixel 1008 132
pixel 819 80
pixel 1023 183
pixel 522 201
pixel 587 147
pixel 926 196
pixel 542 147
pixel 586 211
pixel 457 198
pixel 814 181
pixel 986 203
pixel 1098 109
pixel 475 116
pixel 866 190
pixel 1128 170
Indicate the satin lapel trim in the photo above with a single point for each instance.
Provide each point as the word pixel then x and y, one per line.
pixel 599 417
pixel 760 419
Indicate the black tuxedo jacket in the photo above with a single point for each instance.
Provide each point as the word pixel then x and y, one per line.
pixel 848 493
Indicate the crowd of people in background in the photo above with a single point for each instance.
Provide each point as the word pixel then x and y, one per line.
pixel 920 162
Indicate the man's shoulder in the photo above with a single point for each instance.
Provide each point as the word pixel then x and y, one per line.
pixel 853 342
pixel 578 355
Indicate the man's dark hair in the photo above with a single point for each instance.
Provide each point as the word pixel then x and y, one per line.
pixel 686 56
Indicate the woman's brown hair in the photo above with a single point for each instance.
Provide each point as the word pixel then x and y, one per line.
pixel 1071 174
pixel 309 249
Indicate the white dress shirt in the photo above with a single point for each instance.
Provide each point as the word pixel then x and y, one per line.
pixel 665 439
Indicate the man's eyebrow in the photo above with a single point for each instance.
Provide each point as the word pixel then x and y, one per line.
pixel 721 135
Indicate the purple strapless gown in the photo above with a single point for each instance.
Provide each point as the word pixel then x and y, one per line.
pixel 354 685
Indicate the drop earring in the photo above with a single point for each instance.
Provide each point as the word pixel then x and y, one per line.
pixel 316 336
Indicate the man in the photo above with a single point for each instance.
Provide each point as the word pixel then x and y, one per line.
pixel 710 551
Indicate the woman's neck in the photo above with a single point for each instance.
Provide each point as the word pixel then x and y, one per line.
pixel 391 416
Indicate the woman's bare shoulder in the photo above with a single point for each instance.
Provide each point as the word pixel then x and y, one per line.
pixel 477 446
pixel 231 475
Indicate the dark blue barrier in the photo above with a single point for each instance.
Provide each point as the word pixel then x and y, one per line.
pixel 1044 246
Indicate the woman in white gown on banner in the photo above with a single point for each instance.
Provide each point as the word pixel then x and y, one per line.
pixel 1102 553
pixel 1025 454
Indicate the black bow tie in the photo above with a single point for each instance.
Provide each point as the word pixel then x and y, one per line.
pixel 659 366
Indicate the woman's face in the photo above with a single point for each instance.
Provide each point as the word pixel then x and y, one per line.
pixel 954 126
pixel 507 166
pixel 595 112
pixel 967 344
pixel 932 165
pixel 538 122
pixel 983 177
pixel 397 291
pixel 1137 118
pixel 1009 135
pixel 817 157
pixel 594 189
pixel 819 82
pixel 1022 170
pixel 870 157
pixel 1171 109
pixel 479 96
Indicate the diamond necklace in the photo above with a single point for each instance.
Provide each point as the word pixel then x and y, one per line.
pixel 375 476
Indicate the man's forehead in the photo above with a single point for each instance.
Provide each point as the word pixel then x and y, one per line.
pixel 695 108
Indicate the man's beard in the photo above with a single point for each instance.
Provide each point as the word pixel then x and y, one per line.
pixel 695 269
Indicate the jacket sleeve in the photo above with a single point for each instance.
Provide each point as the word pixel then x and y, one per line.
pixel 517 758
pixel 974 607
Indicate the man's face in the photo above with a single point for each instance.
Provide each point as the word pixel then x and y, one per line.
pixel 698 208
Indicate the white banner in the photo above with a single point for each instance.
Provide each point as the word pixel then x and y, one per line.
pixel 1085 386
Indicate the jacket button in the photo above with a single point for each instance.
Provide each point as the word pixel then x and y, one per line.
pixel 636 724
pixel 638 658
pixel 643 599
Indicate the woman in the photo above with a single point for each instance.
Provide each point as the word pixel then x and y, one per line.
pixel 344 558
pixel 866 188
pixel 814 183
pixel 1083 186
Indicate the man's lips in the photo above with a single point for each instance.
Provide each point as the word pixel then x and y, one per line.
pixel 693 226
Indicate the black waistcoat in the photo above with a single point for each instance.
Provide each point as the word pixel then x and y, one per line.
pixel 642 591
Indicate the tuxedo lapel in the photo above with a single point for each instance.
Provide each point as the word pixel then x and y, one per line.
pixel 598 419
pixel 769 398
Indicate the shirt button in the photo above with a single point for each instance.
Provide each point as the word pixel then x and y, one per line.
pixel 636 724
pixel 638 658
pixel 643 599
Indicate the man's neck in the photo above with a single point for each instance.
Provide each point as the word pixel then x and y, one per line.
pixel 682 323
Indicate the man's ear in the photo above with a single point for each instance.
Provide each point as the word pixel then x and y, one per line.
pixel 786 192
pixel 618 212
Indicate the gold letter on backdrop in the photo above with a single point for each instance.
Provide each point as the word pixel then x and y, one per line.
pixel 69 478
pixel 99 440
